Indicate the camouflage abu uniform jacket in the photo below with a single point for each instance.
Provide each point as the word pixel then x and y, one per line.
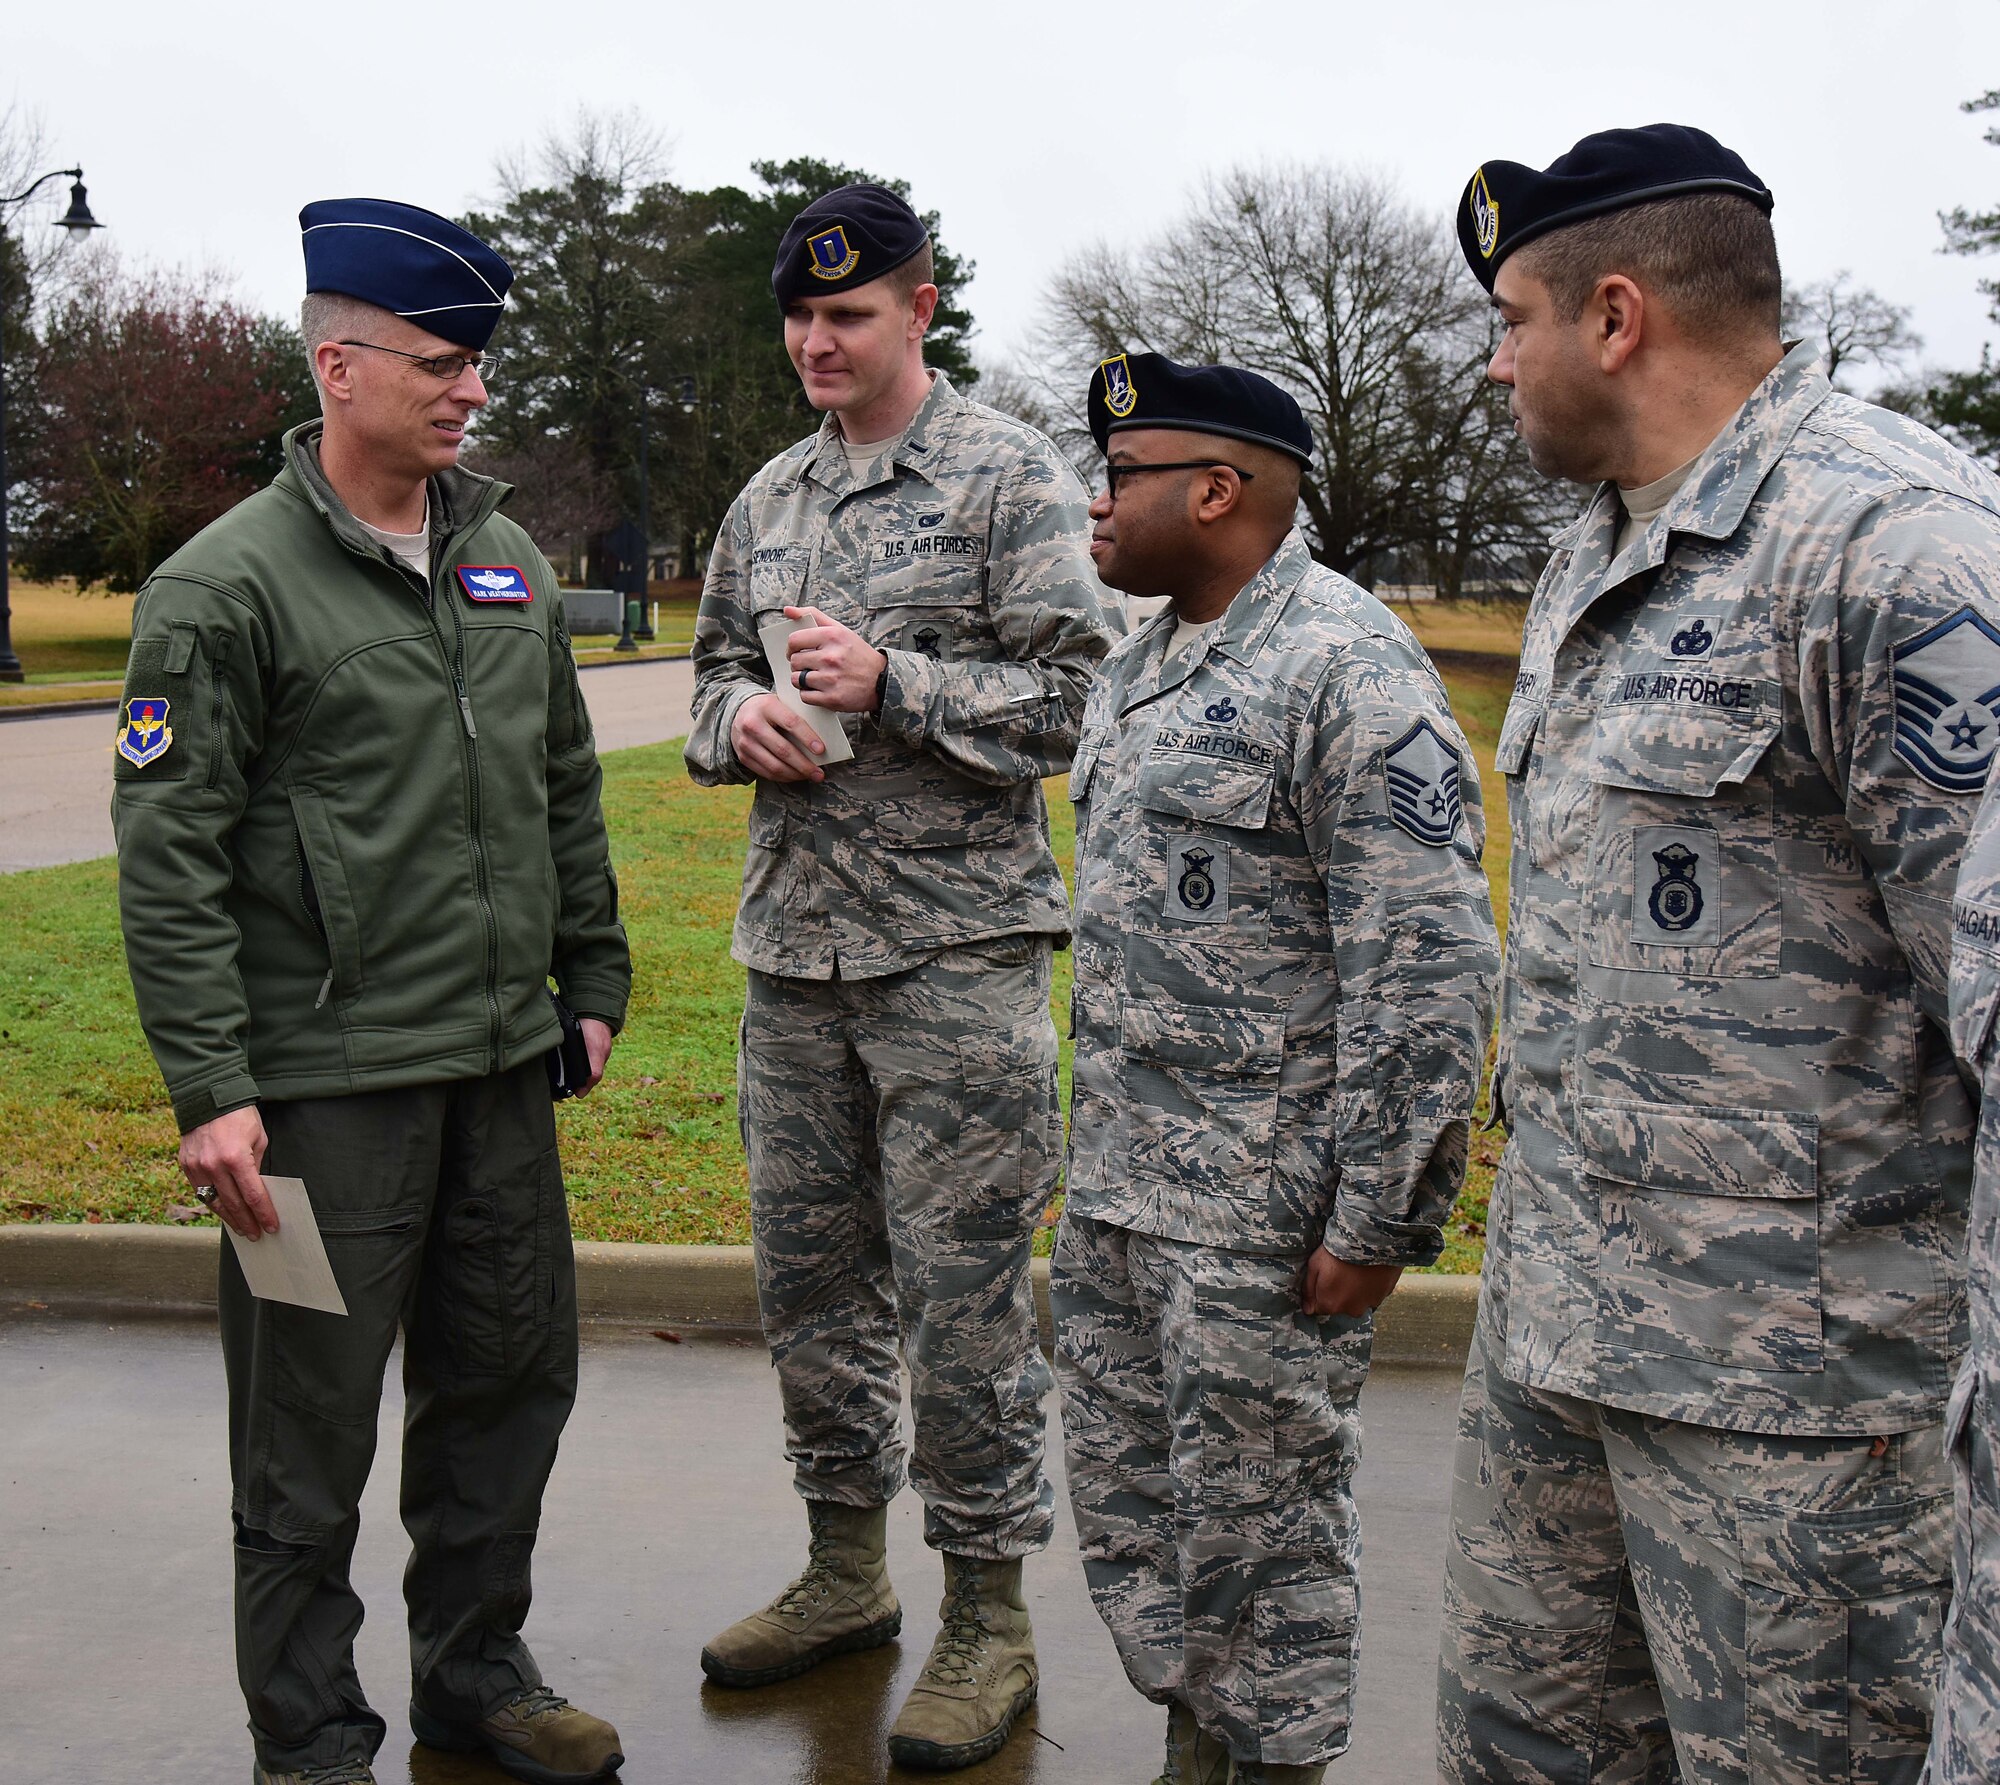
pixel 1741 760
pixel 1284 944
pixel 967 562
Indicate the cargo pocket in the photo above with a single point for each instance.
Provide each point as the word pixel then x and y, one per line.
pixel 329 1367
pixel 555 1253
pixel 1708 1232
pixel 1201 1085
pixel 1305 1669
pixel 1010 1133
pixel 1207 879
pixel 1838 1607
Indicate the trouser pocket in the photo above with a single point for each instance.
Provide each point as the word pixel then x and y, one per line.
pixel 1843 1613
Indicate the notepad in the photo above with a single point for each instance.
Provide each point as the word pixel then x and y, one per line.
pixel 823 720
pixel 290 1265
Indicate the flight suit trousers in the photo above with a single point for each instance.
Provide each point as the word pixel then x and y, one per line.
pixel 443 1213
pixel 904 1136
pixel 1212 1427
pixel 1635 1599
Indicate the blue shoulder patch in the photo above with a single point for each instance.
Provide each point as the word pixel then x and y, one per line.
pixel 1947 688
pixel 1423 772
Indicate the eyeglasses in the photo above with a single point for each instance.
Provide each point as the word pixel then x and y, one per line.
pixel 446 366
pixel 1112 473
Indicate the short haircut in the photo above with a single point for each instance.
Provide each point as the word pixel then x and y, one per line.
pixel 919 269
pixel 1709 257
pixel 330 316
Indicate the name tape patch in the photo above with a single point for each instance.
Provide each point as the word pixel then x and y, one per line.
pixel 495 582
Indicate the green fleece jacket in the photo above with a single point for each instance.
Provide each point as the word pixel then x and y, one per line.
pixel 358 818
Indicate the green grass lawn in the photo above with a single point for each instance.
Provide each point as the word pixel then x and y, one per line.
pixel 652 1155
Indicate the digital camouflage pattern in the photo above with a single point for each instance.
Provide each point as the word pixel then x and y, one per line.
pixel 1212 1431
pixel 1965 1749
pixel 903 1135
pixel 967 562
pixel 1633 1599
pixel 1741 759
pixel 1284 970
pixel 1284 946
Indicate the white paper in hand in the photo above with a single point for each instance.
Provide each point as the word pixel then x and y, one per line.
pixel 773 634
pixel 290 1265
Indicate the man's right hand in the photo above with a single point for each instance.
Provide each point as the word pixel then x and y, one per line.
pixel 229 1153
pixel 774 743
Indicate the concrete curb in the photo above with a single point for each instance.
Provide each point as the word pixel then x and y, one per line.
pixel 141 1271
pixel 54 709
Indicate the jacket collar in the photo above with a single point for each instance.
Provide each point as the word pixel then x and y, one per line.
pixel 459 500
pixel 1238 634
pixel 918 447
pixel 1712 502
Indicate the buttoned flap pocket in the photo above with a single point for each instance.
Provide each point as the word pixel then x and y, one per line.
pixel 1208 856
pixel 1089 748
pixel 1835 1603
pixel 1975 997
pixel 1202 1088
pixel 1685 872
pixel 1708 1232
pixel 926 556
pixel 964 816
pixel 768 821
pixel 1517 734
pixel 777 581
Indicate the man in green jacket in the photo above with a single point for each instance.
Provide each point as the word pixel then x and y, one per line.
pixel 358 831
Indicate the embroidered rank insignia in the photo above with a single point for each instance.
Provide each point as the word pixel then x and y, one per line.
pixel 1121 395
pixel 145 736
pixel 1485 210
pixel 1423 772
pixel 1676 901
pixel 1947 688
pixel 1197 881
pixel 832 258
pixel 495 582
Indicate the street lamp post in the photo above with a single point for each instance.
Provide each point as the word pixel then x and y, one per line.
pixel 78 221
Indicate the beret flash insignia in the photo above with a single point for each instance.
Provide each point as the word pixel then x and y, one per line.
pixel 832 258
pixel 1485 211
pixel 1121 395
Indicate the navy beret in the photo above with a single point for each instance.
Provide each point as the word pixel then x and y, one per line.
pixel 850 236
pixel 412 261
pixel 1507 205
pixel 1147 390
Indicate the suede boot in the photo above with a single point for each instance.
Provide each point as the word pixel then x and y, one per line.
pixel 843 1601
pixel 981 1673
pixel 534 1736
pixel 1193 1757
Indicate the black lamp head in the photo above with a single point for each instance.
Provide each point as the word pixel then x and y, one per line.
pixel 77 219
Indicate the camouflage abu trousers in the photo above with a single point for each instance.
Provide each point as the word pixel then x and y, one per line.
pixel 903 1136
pixel 1965 1747
pixel 1635 1599
pixel 1211 1432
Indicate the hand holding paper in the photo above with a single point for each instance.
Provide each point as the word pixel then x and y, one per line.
pixel 774 636
pixel 291 1264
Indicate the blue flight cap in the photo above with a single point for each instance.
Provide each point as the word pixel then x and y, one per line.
pixel 407 260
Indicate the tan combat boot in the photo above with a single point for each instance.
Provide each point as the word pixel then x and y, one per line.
pixel 981 1674
pixel 534 1736
pixel 1265 1772
pixel 842 1602
pixel 1194 1757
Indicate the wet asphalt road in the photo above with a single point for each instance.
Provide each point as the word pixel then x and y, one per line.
pixel 671 1513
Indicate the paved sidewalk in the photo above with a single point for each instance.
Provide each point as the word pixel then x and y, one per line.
pixel 55 773
pixel 670 1513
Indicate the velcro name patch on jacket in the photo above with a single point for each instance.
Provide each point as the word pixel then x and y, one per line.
pixel 495 582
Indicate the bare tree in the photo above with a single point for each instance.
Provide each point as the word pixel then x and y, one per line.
pixel 1328 283
pixel 1851 325
pixel 560 497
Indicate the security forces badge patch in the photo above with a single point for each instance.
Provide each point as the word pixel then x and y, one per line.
pixel 1197 880
pixel 832 258
pixel 1121 395
pixel 145 736
pixel 1947 687
pixel 1423 772
pixel 1676 895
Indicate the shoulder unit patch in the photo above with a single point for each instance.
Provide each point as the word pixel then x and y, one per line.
pixel 1947 689
pixel 1423 772
pixel 145 736
pixel 495 582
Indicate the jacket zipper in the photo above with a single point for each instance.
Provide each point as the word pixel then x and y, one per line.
pixel 309 898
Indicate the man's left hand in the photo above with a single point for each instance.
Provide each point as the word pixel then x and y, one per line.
pixel 842 668
pixel 597 1040
pixel 1333 1286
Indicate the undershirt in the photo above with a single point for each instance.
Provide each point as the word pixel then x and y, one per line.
pixel 413 548
pixel 864 457
pixel 1187 636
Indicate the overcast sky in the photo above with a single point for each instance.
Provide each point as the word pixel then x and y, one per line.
pixel 1033 128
